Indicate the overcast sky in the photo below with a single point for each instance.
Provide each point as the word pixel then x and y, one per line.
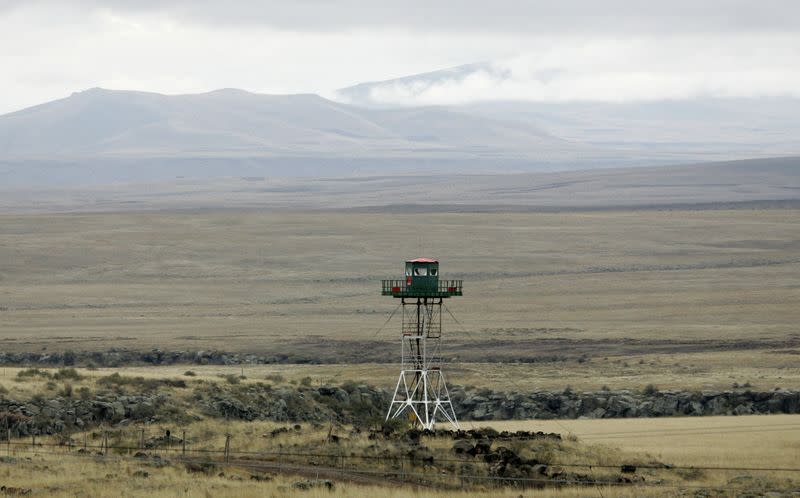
pixel 546 51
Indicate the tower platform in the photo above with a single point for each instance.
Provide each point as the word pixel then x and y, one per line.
pixel 399 288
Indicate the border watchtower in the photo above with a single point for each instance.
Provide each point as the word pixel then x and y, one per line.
pixel 421 392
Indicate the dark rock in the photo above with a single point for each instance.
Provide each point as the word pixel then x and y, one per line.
pixel 462 446
pixel 204 468
pixel 482 447
pixel 313 483
pixel 16 491
pixel 540 469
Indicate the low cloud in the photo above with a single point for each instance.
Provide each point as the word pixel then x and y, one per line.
pixel 543 51
pixel 631 69
pixel 500 16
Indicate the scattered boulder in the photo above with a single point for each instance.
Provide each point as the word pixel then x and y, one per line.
pixel 15 491
pixel 260 477
pixel 462 446
pixel 204 467
pixel 313 483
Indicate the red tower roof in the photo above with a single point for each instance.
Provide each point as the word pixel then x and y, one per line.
pixel 423 260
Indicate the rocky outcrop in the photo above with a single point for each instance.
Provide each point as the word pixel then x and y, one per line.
pixel 491 405
pixel 59 414
pixel 362 405
pixel 120 357
pixel 349 403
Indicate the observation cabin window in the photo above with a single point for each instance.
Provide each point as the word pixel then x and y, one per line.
pixel 420 272
pixel 434 271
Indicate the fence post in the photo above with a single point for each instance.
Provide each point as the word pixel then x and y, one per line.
pixel 33 442
pixel 227 447
pixel 8 441
pixel 183 440
pixel 141 439
pixel 104 448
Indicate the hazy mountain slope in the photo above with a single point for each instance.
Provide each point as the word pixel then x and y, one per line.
pixel 224 122
pixel 103 136
pixel 765 126
pixel 681 129
pixel 104 121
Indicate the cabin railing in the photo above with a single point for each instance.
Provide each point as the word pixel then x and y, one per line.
pixel 399 287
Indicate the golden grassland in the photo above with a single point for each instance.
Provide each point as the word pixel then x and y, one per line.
pixel 743 442
pixel 82 477
pixel 766 441
pixel 261 281
pixel 754 370
pixel 679 299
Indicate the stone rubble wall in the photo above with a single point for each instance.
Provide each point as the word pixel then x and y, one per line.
pixel 362 404
pixel 490 405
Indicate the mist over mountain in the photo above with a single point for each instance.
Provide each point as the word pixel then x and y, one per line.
pixel 694 127
pixel 107 135
pixel 103 136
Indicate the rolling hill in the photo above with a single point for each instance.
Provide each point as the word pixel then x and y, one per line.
pixel 235 122
pixel 103 136
pixel 689 129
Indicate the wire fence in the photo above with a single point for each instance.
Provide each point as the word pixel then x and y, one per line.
pixel 219 450
pixel 342 471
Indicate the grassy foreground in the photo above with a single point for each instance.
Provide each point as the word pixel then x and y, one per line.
pixel 674 457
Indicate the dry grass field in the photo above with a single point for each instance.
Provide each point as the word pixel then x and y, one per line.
pixel 761 370
pixel 620 298
pixel 694 446
pixel 771 441
pixel 86 477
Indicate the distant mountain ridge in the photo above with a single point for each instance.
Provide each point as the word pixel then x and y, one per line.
pixel 694 128
pixel 234 122
pixel 103 136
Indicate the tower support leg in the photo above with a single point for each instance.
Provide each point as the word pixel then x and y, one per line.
pixel 423 397
pixel 421 391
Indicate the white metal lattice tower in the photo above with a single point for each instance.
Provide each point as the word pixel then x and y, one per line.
pixel 421 392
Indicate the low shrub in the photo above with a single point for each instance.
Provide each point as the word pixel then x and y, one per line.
pixel 118 380
pixel 650 390
pixel 33 372
pixel 67 373
pixel 277 378
pixel 231 378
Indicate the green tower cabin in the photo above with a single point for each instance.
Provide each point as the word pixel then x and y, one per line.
pixel 421 280
pixel 421 393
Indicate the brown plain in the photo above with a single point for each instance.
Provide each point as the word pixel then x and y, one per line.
pixel 684 298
